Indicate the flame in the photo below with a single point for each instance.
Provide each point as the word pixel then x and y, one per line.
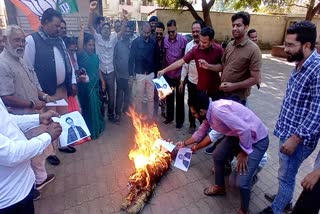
pixel 146 155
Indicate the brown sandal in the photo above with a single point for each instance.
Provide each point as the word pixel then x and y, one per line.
pixel 214 190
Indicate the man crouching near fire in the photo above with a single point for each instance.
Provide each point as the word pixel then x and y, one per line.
pixel 246 138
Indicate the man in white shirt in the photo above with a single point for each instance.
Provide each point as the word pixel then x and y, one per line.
pixel 190 70
pixel 105 43
pixel 16 176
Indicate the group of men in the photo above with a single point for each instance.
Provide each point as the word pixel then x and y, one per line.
pixel 37 69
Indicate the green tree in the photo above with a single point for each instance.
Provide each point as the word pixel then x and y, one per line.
pixel 281 6
pixel 178 4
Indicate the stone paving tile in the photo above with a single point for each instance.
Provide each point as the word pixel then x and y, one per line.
pixel 94 179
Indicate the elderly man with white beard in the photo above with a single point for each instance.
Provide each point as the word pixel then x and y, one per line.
pixel 21 93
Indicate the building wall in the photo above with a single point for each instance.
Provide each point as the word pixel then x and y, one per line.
pixel 270 28
pixel 136 9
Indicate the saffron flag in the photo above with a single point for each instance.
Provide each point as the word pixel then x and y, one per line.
pixel 33 9
pixel 67 6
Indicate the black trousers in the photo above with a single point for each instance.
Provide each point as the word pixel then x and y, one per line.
pixel 174 83
pixel 192 95
pixel 22 207
pixel 123 96
pixel 308 201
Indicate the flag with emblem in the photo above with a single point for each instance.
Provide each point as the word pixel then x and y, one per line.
pixel 67 6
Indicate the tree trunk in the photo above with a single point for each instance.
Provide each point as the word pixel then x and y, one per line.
pixel 206 17
pixel 312 10
pixel 206 11
pixel 193 12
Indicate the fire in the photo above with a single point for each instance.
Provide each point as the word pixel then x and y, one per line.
pixel 148 158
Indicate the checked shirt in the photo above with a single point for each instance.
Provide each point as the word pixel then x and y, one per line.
pixel 300 111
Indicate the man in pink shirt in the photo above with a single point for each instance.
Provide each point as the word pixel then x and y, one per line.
pixel 174 46
pixel 246 137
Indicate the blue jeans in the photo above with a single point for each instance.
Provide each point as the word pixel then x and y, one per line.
pixel 287 172
pixel 228 148
pixel 245 180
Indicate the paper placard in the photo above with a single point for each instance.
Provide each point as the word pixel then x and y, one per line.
pixel 61 102
pixel 74 128
pixel 162 87
pixel 183 159
pixel 168 146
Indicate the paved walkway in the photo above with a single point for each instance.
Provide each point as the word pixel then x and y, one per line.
pixel 94 179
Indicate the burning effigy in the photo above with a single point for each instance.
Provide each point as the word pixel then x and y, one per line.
pixel 150 162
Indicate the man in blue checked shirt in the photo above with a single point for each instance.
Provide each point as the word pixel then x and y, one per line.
pixel 298 125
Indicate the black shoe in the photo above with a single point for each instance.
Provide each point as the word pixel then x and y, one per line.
pixel 267 210
pixel 50 178
pixel 209 150
pixel 117 120
pixel 179 126
pixel 167 122
pixel 68 149
pixel 53 160
pixel 36 195
pixel 271 198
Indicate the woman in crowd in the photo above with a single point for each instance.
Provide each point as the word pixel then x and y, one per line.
pixel 88 91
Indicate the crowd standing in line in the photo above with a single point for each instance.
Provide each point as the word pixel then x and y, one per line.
pixel 48 65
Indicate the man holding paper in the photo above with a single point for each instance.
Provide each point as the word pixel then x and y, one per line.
pixel 207 56
pixel 246 137
pixel 19 90
pixel 16 175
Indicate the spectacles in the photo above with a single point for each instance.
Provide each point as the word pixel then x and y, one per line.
pixel 171 31
pixel 290 45
pixel 159 33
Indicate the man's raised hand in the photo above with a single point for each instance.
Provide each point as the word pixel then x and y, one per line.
pixel 93 5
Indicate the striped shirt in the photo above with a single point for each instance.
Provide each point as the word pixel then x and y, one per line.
pixel 300 110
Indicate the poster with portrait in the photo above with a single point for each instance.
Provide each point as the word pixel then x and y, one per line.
pixel 74 128
pixel 162 87
pixel 183 159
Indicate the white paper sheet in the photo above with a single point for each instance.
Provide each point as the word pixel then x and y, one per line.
pixel 61 102
pixel 168 146
pixel 162 87
pixel 183 159
pixel 74 128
